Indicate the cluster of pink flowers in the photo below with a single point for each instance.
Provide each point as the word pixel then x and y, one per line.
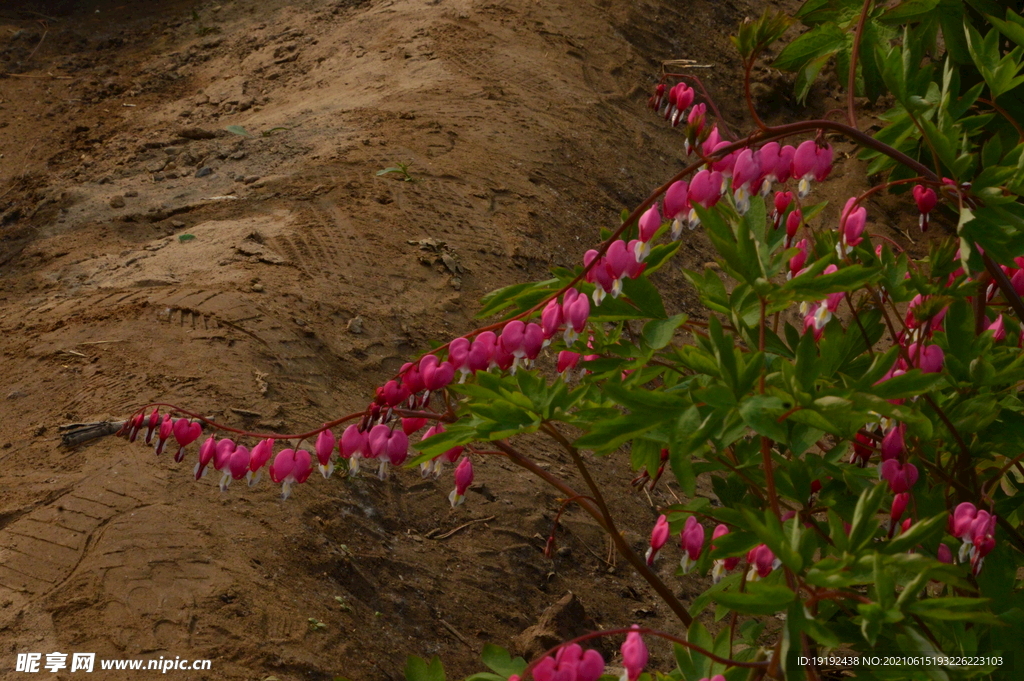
pixel 570 663
pixel 760 559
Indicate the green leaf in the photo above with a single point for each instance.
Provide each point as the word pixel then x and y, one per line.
pixel 186 237
pixel 761 412
pixel 913 383
pixel 642 293
pixel 418 669
pixel 909 10
pixel 499 660
pixel 821 41
pixel 658 332
pixel 954 608
pixel 864 524
pixel 921 532
pixel 760 599
pixel 239 130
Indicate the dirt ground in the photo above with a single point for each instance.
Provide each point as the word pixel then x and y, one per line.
pixel 148 254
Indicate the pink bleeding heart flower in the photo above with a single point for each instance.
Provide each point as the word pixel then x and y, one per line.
pixel 811 162
pixel 692 542
pixel 823 162
pixel 722 565
pixel 634 655
pixel 861 450
pixel 657 98
pixel 599 274
pixel 291 467
pixel 659 535
pixel 522 341
pixel 817 315
pixel 705 191
pixel 458 355
pixel 793 222
pixel 185 432
pixel 893 444
pixel 726 164
pixel 677 206
pixel 575 310
pixel 746 172
pixel 762 561
pixel 551 319
pixel 222 454
pixel 768 158
pixel 411 425
pixel 436 374
pixel 683 100
pixel 481 352
pixel 930 359
pixel 900 476
pixel 133 426
pixel 324 448
pixel 944 555
pixel 353 446
pixel 502 358
pixel 982 538
pixel 784 169
pixel 463 479
pixel 796 263
pixel 782 202
pixel 436 465
pixel 394 393
pixel 165 432
pixel 925 199
pixel 206 452
pixel 960 525
pixel 804 160
pixel 258 458
pixel 152 423
pixel 377 441
pixel 998 329
pixel 236 468
pixel 648 226
pixel 622 263
pixel 533 341
pixel 695 122
pixel 713 139
pixel 398 447
pixel 411 378
pixel 851 226
pixel 899 505
pixel 567 361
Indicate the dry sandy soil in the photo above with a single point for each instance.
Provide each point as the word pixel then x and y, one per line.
pixel 305 285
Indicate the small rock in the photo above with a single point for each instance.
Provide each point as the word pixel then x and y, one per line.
pixel 564 552
pixel 159 177
pixel 157 166
pixel 355 325
pixel 177 224
pixel 258 288
pixel 251 179
pixel 117 201
pixel 131 193
pixel 204 171
pixel 16 394
pixel 564 620
pixel 237 156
